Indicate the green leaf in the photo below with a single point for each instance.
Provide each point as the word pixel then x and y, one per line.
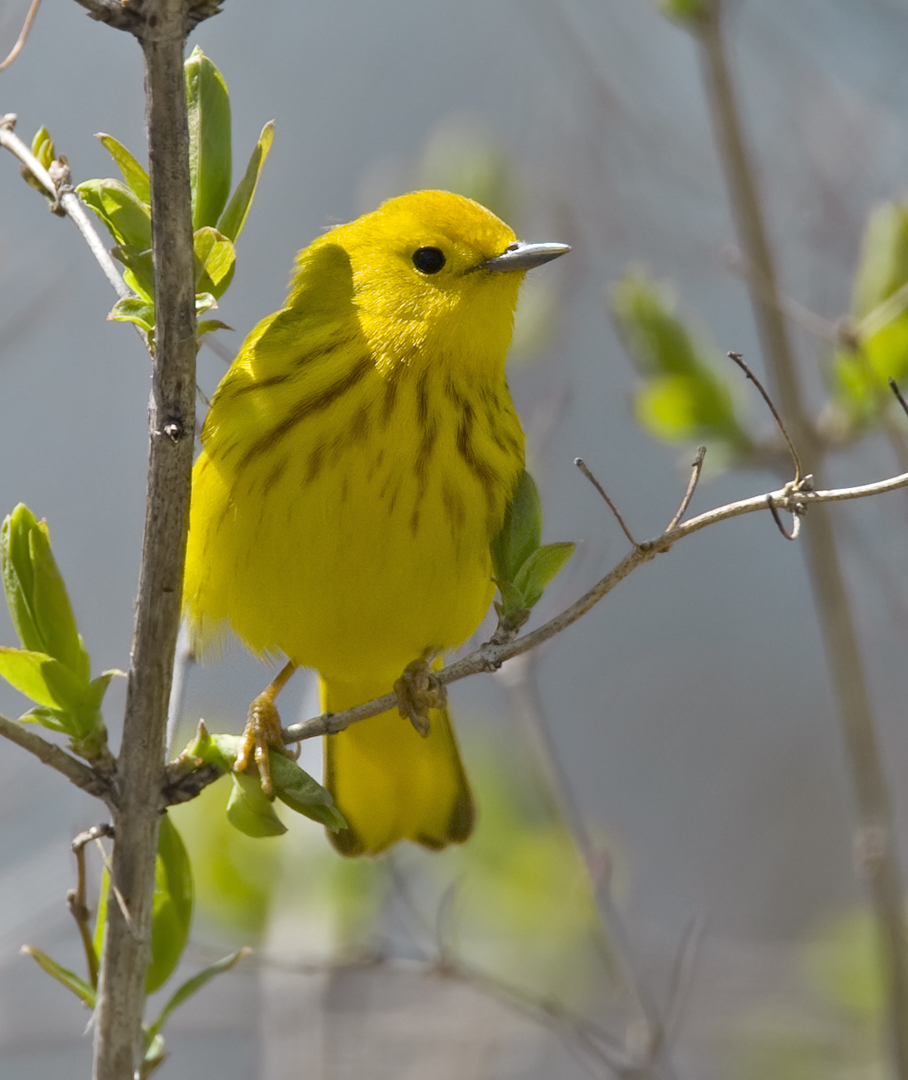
pixel 139 273
pixel 521 530
pixel 206 326
pixel 101 917
pixel 171 913
pixel 154 1055
pixel 192 986
pixel 208 105
pixel 681 408
pixel 301 793
pixel 541 568
pixel 233 219
pixel 53 612
pixel 35 592
pixel 43 679
pixel 133 173
pixel 134 310
pixel 127 218
pixel 53 719
pixel 883 263
pixel 250 810
pixel 655 339
pixel 221 751
pixel 686 11
pixel 215 257
pixel 43 147
pixel 83 990
pixel 204 302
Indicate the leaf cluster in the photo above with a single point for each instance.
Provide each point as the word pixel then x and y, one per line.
pixel 248 808
pixel 124 206
pixel 523 565
pixel 52 668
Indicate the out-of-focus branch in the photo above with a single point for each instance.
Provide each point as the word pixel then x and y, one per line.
pixel 836 618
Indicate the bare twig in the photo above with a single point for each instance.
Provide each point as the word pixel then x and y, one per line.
pixel 780 525
pixel 82 775
pixel 68 200
pixel 894 387
pixel 696 469
pixel 835 614
pixel 26 26
pixel 739 360
pixel 582 466
pixel 140 776
pixel 75 898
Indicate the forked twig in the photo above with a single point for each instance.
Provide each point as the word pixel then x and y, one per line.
pixel 696 469
pixel 582 466
pixel 75 898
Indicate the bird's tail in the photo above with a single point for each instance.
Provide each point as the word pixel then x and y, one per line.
pixel 392 784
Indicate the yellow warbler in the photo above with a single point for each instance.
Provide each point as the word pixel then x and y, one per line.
pixel 357 461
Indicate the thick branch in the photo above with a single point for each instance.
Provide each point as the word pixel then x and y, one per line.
pixel 82 775
pixel 121 990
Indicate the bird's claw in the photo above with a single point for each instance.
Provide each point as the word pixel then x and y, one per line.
pixel 418 690
pixel 262 733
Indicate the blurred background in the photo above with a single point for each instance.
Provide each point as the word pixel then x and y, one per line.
pixel 691 713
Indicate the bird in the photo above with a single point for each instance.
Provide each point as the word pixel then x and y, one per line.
pixel 357 460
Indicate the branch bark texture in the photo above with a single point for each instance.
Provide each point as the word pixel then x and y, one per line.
pixel 140 772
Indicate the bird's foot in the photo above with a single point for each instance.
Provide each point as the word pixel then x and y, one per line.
pixel 418 690
pixel 263 733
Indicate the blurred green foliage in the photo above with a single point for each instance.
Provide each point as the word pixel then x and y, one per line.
pixel 834 1032
pixel 683 396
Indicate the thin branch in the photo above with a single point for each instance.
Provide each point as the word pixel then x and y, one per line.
pixel 491 655
pixel 739 360
pixel 76 901
pixel 582 466
pixel 894 387
pixel 696 469
pixel 780 525
pixel 82 775
pixel 26 27
pixel 64 197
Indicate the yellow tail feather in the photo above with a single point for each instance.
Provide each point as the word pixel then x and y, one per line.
pixel 392 784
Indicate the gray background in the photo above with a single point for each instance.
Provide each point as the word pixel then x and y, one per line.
pixel 692 709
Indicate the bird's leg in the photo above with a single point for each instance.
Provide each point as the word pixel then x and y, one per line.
pixel 418 691
pixel 263 731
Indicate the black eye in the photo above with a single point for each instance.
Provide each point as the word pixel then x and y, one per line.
pixel 428 260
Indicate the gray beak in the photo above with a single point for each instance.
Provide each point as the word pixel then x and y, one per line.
pixel 521 256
